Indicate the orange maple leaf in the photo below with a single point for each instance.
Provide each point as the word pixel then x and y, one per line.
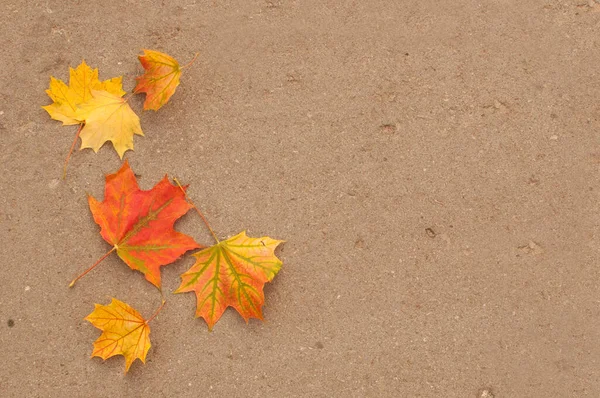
pixel 124 332
pixel 139 224
pixel 160 80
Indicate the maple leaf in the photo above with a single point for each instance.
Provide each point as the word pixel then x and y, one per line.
pixel 139 224
pixel 107 117
pixel 82 81
pixel 124 332
pixel 232 273
pixel 66 99
pixel 160 80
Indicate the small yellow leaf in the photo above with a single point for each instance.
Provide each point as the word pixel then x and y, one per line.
pixel 108 117
pixel 124 332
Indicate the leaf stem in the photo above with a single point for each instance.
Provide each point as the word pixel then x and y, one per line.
pixel 162 304
pixel 128 97
pixel 92 267
pixel 197 211
pixel 71 151
pixel 191 62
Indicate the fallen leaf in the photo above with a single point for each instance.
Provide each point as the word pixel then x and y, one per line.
pixel 82 81
pixel 124 332
pixel 160 79
pixel 67 100
pixel 139 224
pixel 232 273
pixel 64 102
pixel 108 117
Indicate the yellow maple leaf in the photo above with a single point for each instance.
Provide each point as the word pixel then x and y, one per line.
pixel 65 102
pixel 82 81
pixel 107 117
pixel 124 332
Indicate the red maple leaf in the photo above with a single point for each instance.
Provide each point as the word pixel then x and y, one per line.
pixel 139 224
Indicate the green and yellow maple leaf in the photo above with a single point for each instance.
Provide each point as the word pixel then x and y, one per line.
pixel 232 273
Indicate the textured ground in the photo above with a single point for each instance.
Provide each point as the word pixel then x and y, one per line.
pixel 433 166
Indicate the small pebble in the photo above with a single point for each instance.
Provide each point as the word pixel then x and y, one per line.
pixel 486 394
